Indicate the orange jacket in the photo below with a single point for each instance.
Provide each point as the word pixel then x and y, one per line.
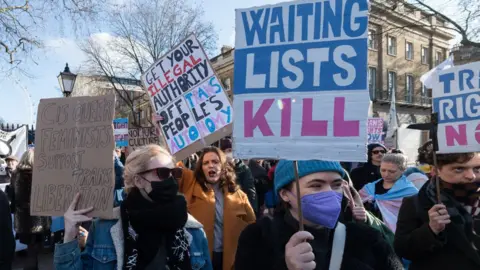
pixel 237 214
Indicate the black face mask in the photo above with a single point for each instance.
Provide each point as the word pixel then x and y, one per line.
pixel 164 191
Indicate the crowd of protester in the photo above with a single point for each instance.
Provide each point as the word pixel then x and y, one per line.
pixel 212 211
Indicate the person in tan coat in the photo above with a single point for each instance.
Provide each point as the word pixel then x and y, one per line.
pixel 214 199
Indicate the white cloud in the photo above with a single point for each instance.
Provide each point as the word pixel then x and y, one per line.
pixel 59 51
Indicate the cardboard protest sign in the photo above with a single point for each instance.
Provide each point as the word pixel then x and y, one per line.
pixel 375 130
pixel 300 87
pixel 74 146
pixel 138 137
pixel 186 93
pixel 456 98
pixel 120 131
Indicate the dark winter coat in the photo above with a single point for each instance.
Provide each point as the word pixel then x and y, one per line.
pixel 260 175
pixel 24 223
pixel 415 241
pixel 246 182
pixel 365 174
pixel 368 172
pixel 262 246
pixel 7 241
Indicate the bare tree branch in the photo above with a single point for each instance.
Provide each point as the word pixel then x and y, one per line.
pixel 20 44
pixel 466 22
pixel 24 7
pixel 20 23
pixel 142 32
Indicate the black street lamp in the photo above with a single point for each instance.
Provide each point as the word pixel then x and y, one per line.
pixel 66 79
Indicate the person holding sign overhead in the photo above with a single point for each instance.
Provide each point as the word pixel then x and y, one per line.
pixel 275 243
pixel 215 199
pixel 151 230
pixel 443 235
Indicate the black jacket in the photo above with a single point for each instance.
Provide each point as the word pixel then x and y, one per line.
pixel 415 241
pixel 262 246
pixel 365 174
pixel 260 176
pixel 24 223
pixel 246 182
pixel 7 241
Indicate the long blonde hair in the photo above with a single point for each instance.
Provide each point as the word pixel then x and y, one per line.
pixel 137 162
pixel 26 162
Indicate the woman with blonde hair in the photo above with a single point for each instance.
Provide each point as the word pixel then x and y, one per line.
pixel 218 203
pixel 30 230
pixel 384 197
pixel 150 230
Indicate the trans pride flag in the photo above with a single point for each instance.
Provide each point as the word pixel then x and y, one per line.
pixel 390 202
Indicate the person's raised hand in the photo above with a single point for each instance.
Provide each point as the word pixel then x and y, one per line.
pixel 439 218
pixel 299 253
pixel 73 218
pixel 354 202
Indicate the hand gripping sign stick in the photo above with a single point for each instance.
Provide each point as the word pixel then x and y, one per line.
pixel 433 135
pixel 432 127
pixel 299 201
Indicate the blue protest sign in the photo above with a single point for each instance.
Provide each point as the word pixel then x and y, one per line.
pixel 120 129
pixel 456 99
pixel 300 80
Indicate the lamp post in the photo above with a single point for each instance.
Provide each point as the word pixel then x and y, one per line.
pixel 66 79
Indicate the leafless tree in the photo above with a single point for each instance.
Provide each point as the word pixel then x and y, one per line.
pixel 464 19
pixel 142 32
pixel 22 20
pixel 466 22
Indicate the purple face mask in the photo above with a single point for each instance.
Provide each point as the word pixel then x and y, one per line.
pixel 322 208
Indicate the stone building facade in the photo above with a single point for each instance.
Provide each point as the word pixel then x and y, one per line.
pixel 404 43
pixel 465 54
pixel 130 89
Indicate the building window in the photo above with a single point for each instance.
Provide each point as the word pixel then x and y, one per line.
pixel 409 50
pixel 392 45
pixel 372 81
pixel 438 58
pixel 424 55
pixel 226 84
pixel 372 39
pixel 409 85
pixel 392 83
pixel 425 99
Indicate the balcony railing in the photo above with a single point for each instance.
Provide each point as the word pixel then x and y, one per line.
pixel 401 99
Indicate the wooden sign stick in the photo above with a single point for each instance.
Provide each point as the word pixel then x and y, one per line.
pixel 299 200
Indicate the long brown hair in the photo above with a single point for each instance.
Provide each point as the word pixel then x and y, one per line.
pixel 227 177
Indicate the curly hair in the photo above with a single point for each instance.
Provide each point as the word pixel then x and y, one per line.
pixel 425 155
pixel 227 178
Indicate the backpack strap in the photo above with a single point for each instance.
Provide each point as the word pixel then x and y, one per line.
pixel 338 246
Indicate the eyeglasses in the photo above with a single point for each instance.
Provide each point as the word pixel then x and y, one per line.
pixel 376 152
pixel 164 173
